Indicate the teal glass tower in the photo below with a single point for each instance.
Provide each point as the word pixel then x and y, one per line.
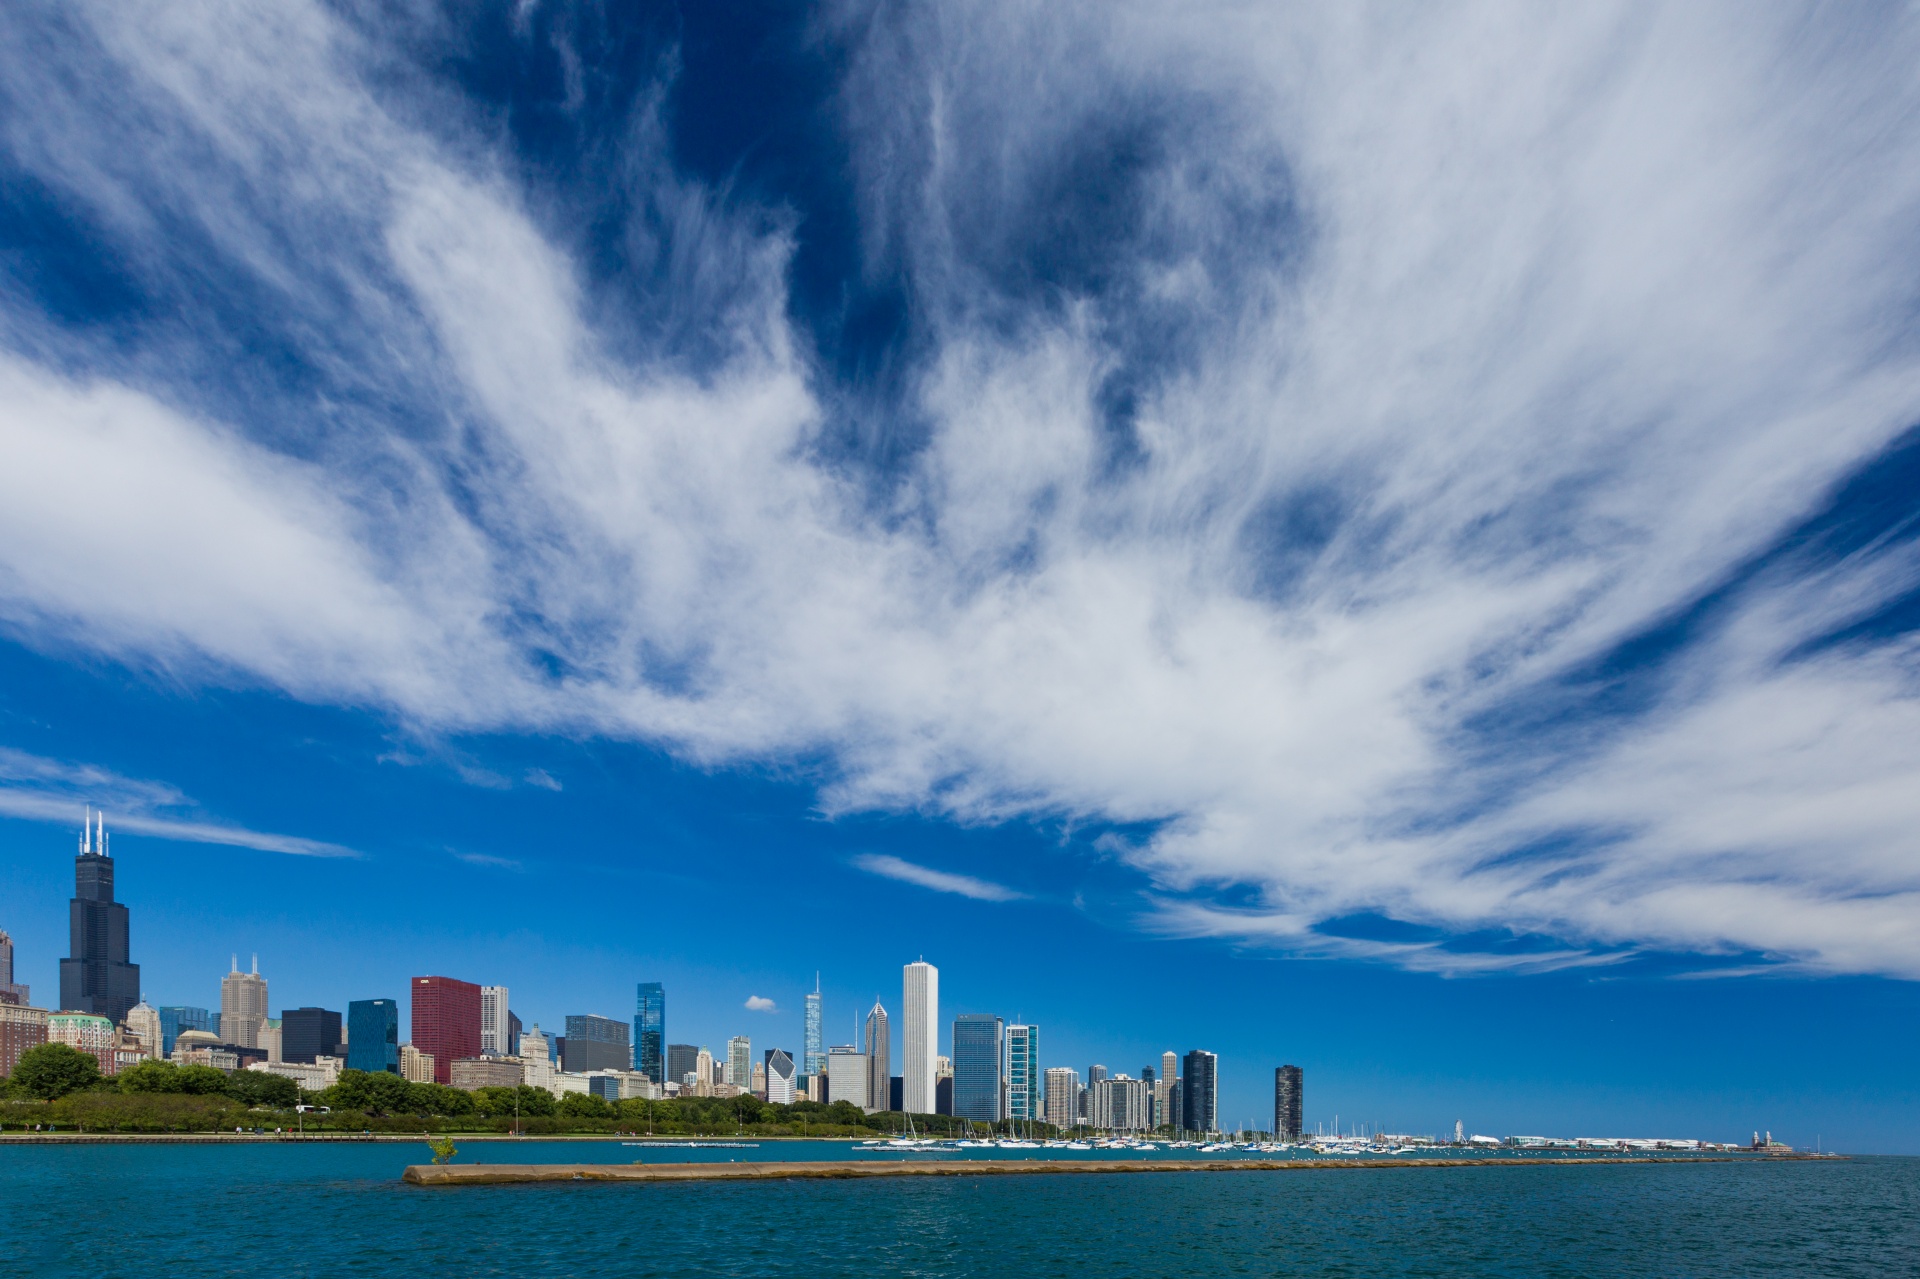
pixel 373 1036
pixel 1023 1072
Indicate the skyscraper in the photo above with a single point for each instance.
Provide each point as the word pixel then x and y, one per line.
pixel 97 977
pixel 650 1031
pixel 879 1067
pixel 496 1035
pixel 1063 1097
pixel 1200 1092
pixel 847 1076
pixel 813 1052
pixel 595 1043
pixel 1023 1072
pixel 740 1062
pixel 307 1033
pixel 919 1035
pixel 780 1072
pixel 1288 1103
pixel 243 1005
pixel 682 1060
pixel 373 1036
pixel 446 1022
pixel 11 992
pixel 979 1066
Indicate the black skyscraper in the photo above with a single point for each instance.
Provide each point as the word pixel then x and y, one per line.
pixel 1287 1103
pixel 97 978
pixel 1200 1091
pixel 307 1033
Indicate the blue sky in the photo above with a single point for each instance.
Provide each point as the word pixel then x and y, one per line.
pixel 1385 542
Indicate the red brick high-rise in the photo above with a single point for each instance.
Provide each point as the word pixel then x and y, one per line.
pixel 446 1022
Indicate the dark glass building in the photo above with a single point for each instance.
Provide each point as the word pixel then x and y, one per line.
pixel 307 1033
pixel 175 1018
pixel 373 1036
pixel 97 977
pixel 682 1060
pixel 896 1092
pixel 1200 1091
pixel 979 1066
pixel 513 1033
pixel 650 1032
pixel 595 1043
pixel 943 1095
pixel 1287 1103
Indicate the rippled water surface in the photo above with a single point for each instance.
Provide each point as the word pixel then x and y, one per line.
pixel 342 1210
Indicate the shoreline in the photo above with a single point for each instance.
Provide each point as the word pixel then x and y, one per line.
pixel 518 1174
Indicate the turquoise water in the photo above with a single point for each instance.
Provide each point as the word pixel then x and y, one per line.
pixel 341 1210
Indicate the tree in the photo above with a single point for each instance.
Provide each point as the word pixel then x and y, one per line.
pixel 54 1070
pixel 151 1076
pixel 258 1088
pixel 375 1092
pixel 585 1105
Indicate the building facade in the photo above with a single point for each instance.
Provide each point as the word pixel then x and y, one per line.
pixel 1200 1092
pixel 847 1076
pixel 1120 1103
pixel 175 1018
pixel 595 1043
pixel 1061 1103
pixel 21 1028
pixel 98 975
pixel 496 1030
pixel 488 1071
pixel 322 1072
pixel 446 1022
pixel 307 1034
pixel 919 1035
pixel 813 1052
pixel 877 1043
pixel 682 1060
pixel 1023 1072
pixel 979 1067
pixel 417 1067
pixel 780 1074
pixel 536 1061
pixel 143 1021
pixel 1289 1103
pixel 90 1033
pixel 373 1036
pixel 650 1031
pixel 243 1005
pixel 739 1068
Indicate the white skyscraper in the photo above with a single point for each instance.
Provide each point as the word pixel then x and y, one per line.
pixel 496 1038
pixel 919 1035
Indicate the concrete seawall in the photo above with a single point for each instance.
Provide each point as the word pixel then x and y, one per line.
pixel 514 1174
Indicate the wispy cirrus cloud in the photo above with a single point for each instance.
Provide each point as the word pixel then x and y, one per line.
pixel 940 881
pixel 1420 464
pixel 49 790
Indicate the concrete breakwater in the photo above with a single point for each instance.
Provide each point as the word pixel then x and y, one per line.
pixel 511 1174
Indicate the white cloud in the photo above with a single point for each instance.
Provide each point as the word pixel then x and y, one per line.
pixel 939 880
pixel 760 1004
pixel 49 790
pixel 1462 345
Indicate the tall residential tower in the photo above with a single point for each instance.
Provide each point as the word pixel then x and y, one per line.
pixel 650 1031
pixel 813 1052
pixel 879 1074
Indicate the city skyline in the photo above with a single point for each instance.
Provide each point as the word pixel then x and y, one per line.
pixel 1251 1077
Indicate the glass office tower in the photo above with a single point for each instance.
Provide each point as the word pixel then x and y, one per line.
pixel 979 1066
pixel 650 1031
pixel 1023 1072
pixel 373 1036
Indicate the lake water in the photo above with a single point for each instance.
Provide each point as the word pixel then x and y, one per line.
pixel 326 1210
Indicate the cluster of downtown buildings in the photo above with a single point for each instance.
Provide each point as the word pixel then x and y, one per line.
pixel 466 1035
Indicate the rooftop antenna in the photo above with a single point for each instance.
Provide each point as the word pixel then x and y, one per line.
pixel 256 963
pixel 236 962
